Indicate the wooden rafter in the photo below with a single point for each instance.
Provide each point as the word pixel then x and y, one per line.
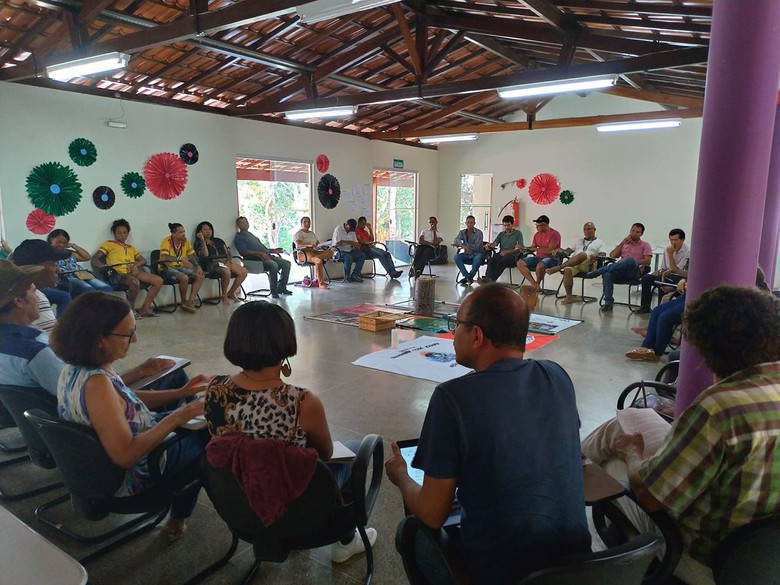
pixel 456 107
pixel 403 25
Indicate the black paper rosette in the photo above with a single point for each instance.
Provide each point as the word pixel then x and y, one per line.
pixel 103 197
pixel 82 152
pixel 189 154
pixel 54 188
pixel 329 191
pixel 133 184
pixel 566 197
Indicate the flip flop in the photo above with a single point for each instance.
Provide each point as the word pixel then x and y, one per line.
pixel 138 316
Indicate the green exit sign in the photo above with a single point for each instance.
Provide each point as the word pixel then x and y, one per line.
pixel 398 163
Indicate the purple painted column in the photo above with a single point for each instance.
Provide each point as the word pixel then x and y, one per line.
pixel 767 256
pixel 739 113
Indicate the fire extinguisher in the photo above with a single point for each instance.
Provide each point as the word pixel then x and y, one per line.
pixel 516 211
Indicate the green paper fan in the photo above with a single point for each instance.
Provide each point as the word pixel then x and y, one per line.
pixel 566 197
pixel 82 152
pixel 54 188
pixel 133 184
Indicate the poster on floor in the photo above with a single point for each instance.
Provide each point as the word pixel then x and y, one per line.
pixel 550 325
pixel 428 358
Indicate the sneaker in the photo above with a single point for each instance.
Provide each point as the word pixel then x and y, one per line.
pixel 608 307
pixel 463 281
pixel 284 291
pixel 357 278
pixel 306 281
pixel 643 311
pixel 396 274
pixel 592 274
pixel 342 552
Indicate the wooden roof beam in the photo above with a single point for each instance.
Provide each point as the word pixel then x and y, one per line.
pixel 445 50
pixel 456 107
pixel 403 25
pixel 493 46
pixel 639 7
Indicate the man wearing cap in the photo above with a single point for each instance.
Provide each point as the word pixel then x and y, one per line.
pixel 250 247
pixel 25 356
pixel 346 242
pixel 546 243
pixel 41 253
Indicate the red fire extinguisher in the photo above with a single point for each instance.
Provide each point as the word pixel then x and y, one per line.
pixel 516 211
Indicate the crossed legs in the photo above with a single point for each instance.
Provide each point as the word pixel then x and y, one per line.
pixel 318 257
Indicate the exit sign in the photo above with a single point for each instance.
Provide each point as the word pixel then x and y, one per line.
pixel 398 163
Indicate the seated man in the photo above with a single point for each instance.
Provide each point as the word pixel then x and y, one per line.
pixel 716 469
pixel 33 252
pixel 582 259
pixel 25 357
pixel 674 267
pixel 545 244
pixel 471 243
pixel 484 434
pixel 345 240
pixel 658 333
pixel 634 253
pixel 509 243
pixel 365 235
pixel 37 253
pixel 251 248
pixel 428 245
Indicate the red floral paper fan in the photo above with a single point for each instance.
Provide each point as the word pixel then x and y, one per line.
pixel 323 163
pixel 544 188
pixel 521 183
pixel 166 175
pixel 39 222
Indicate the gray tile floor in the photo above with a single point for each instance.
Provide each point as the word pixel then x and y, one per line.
pixel 357 401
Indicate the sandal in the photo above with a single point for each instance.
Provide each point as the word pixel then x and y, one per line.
pixel 172 534
pixel 138 316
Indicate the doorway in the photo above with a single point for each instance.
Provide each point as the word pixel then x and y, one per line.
pixel 395 210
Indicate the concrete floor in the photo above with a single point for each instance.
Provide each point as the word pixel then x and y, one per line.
pixel 357 401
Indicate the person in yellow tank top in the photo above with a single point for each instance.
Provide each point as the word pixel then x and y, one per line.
pixel 179 263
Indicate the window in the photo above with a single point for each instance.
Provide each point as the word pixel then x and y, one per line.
pixel 475 199
pixel 273 195
pixel 395 197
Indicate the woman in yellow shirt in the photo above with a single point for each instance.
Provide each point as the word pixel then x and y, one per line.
pixel 125 260
pixel 179 263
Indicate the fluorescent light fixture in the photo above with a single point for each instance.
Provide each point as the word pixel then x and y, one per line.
pixel 320 10
pixel 448 138
pixel 335 112
pixel 553 87
pixel 115 124
pixel 88 66
pixel 645 125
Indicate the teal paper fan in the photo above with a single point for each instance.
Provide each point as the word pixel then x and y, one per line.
pixel 133 184
pixel 54 188
pixel 566 197
pixel 82 152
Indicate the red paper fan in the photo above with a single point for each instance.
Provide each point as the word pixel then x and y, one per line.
pixel 544 188
pixel 39 222
pixel 166 175
pixel 521 183
pixel 323 163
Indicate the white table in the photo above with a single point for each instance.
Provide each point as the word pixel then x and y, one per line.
pixel 27 558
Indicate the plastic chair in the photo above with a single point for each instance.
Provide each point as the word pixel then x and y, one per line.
pixel 159 267
pixel 748 555
pixel 413 250
pixel 665 397
pixel 17 399
pixel 92 480
pixel 299 256
pixel 488 254
pixel 317 518
pixel 634 282
pixel 668 373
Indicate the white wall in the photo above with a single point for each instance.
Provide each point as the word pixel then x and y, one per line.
pixel 648 177
pixel 36 126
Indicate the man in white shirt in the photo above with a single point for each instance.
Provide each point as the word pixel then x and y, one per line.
pixel 345 240
pixel 674 268
pixel 428 245
pixel 583 256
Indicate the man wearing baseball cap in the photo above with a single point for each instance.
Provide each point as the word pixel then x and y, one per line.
pixel 41 253
pixel 546 243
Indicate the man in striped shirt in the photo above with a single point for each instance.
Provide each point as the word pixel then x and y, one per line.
pixel 719 466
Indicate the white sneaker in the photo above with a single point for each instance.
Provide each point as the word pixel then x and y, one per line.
pixel 342 552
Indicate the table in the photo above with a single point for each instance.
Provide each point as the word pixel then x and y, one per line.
pixel 599 485
pixel 27 558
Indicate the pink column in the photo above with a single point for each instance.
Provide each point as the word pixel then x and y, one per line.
pixel 767 256
pixel 739 114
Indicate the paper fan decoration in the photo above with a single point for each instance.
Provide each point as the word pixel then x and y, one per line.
pixel 82 152
pixel 103 197
pixel 323 163
pixel 189 154
pixel 544 188
pixel 39 222
pixel 133 184
pixel 566 197
pixel 54 188
pixel 166 175
pixel 521 183
pixel 329 191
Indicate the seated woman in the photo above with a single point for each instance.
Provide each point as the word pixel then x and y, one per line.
pixel 365 235
pixel 260 339
pixel 306 242
pixel 126 262
pixel 207 247
pixel 96 331
pixel 180 264
pixel 79 280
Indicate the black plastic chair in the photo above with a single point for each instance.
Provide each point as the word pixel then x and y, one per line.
pixel 299 256
pixel 17 399
pixel 665 397
pixel 748 555
pixel 409 531
pixel 316 518
pixel 632 283
pixel 668 373
pixel 413 250
pixel 92 480
pixel 488 254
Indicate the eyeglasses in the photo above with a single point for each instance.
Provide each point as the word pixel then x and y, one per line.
pixel 129 336
pixel 453 322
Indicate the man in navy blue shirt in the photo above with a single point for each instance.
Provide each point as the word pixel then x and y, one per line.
pixel 507 437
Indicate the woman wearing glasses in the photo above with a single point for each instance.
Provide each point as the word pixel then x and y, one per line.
pixel 94 332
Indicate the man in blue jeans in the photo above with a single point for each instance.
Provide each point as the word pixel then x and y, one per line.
pixel 250 247
pixel 634 254
pixel 470 241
